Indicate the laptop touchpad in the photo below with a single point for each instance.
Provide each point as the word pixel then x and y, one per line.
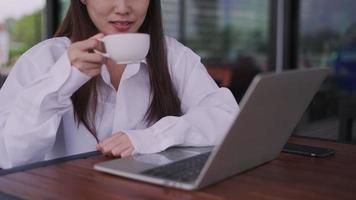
pixel 166 157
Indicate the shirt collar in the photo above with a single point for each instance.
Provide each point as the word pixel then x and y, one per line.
pixel 130 70
pixel 105 74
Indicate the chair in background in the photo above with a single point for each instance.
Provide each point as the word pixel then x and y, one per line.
pixel 2 79
pixel 347 114
pixel 244 71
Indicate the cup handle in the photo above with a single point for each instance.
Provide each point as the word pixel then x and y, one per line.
pixel 101 53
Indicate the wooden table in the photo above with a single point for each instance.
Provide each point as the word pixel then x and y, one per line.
pixel 288 177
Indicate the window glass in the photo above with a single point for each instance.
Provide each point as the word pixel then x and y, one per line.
pixel 21 26
pixel 328 39
pixel 64 4
pixel 224 30
pixel 231 36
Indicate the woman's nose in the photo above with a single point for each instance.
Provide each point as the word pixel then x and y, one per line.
pixel 122 7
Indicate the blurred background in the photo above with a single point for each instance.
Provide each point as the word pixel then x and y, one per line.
pixel 236 39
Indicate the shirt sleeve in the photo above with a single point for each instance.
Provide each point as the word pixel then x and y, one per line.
pixel 32 103
pixel 208 113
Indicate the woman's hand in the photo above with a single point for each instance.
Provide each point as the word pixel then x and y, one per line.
pixel 81 55
pixel 118 145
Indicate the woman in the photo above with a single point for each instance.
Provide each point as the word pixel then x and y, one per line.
pixel 61 98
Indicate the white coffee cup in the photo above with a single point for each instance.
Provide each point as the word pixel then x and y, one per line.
pixel 125 48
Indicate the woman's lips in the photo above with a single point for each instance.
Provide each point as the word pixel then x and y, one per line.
pixel 122 25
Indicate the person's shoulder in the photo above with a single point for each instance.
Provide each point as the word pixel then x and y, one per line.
pixel 173 44
pixel 49 48
pixel 177 51
pixel 40 58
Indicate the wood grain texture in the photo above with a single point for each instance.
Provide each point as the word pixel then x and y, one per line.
pixel 288 177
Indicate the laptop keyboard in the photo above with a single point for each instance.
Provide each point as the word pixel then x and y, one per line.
pixel 186 170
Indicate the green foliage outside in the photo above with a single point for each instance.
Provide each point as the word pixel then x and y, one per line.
pixel 25 32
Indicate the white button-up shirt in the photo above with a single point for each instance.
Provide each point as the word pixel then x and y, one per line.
pixel 36 113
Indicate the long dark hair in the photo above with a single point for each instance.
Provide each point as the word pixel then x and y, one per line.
pixel 78 26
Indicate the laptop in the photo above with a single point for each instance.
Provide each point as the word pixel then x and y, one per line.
pixel 269 111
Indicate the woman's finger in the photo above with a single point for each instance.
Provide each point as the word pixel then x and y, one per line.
pixel 89 44
pixel 127 152
pixel 98 36
pixel 119 149
pixel 92 57
pixel 87 66
pixel 110 145
pixel 107 140
pixel 100 47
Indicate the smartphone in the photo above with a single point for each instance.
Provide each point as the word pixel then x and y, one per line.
pixel 307 150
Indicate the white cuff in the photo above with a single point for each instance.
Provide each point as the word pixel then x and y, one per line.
pixel 67 78
pixel 142 141
pixel 168 131
pixel 74 82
